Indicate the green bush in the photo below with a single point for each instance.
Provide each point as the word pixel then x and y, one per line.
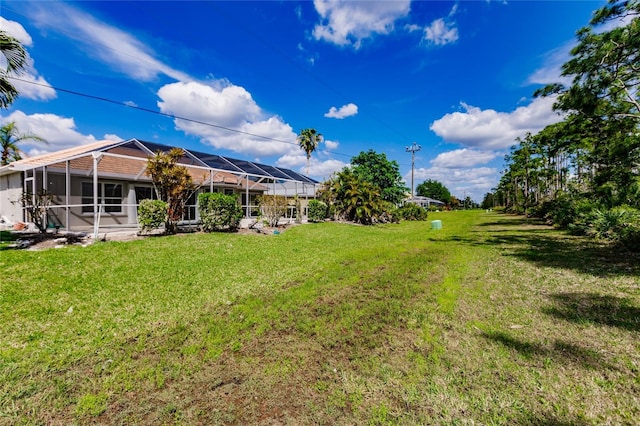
pixel 317 211
pixel 152 214
pixel 219 212
pixel 411 211
pixel 621 224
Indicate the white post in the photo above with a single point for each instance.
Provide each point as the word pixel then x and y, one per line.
pixel 248 211
pixel 67 190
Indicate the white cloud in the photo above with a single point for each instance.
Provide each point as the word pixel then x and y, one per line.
pixel 28 83
pixel 322 170
pixel 348 23
pixel 226 105
pixel 442 31
pixel 331 145
pixel 474 182
pixel 464 157
pixel 59 132
pixel 345 111
pixel 111 45
pixel 292 160
pixel 318 169
pixel 490 129
pixel 17 31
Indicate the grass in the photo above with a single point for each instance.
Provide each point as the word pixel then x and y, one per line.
pixel 492 320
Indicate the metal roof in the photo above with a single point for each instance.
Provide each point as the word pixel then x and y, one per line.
pixel 235 165
pixel 195 158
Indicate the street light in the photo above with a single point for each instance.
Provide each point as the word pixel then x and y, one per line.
pixel 413 149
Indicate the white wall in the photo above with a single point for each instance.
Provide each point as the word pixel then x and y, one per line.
pixel 10 192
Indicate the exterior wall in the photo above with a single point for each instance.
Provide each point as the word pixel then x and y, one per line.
pixel 11 187
pixel 10 192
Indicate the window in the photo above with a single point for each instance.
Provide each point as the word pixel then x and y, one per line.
pixel 109 194
pixel 144 193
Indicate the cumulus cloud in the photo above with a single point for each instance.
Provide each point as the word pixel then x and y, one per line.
pixel 318 169
pixel 464 157
pixel 442 31
pixel 131 57
pixel 331 145
pixel 59 132
pixel 29 84
pixel 17 31
pixel 344 111
pixel 348 23
pixel 232 107
pixel 490 129
pixel 472 181
pixel 322 170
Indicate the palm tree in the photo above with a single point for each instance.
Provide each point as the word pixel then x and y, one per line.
pixel 16 59
pixel 9 139
pixel 308 139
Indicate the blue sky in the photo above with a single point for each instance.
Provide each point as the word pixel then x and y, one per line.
pixel 457 78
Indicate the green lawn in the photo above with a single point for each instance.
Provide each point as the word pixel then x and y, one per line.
pixel 492 320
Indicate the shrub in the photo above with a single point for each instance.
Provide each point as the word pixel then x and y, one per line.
pixel 272 208
pixel 219 212
pixel 152 214
pixel 411 211
pixel 318 211
pixel 619 224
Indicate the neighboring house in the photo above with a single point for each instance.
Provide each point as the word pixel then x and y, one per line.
pixel 425 202
pixel 101 184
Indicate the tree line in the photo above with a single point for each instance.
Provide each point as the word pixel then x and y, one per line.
pixel 583 173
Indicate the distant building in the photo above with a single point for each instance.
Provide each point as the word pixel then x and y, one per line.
pixel 425 202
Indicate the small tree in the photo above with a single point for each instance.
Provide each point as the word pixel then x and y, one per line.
pixel 376 169
pixel 36 206
pixel 219 212
pixel 353 199
pixel 172 183
pixel 272 208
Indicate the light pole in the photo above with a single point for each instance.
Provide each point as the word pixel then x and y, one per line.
pixel 413 149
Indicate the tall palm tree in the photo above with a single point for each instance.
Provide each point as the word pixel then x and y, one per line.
pixel 308 139
pixel 16 59
pixel 9 139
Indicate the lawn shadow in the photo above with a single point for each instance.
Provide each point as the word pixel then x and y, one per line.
pixel 596 309
pixel 557 352
pixel 536 242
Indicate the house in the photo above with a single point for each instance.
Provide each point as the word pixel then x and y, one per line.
pixel 100 185
pixel 425 202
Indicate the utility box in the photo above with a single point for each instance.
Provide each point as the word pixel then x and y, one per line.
pixel 436 224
